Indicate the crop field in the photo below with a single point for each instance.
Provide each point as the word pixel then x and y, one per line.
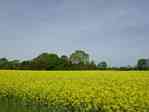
pixel 74 91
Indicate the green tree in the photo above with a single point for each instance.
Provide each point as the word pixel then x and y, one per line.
pixel 14 64
pixel 26 65
pixel 79 57
pixel 64 58
pixel 46 61
pixel 102 65
pixel 142 64
pixel 64 63
pixel 4 63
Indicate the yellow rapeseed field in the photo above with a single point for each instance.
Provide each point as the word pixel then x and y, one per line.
pixel 74 91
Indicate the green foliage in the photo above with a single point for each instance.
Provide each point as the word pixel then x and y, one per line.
pixel 143 64
pixel 79 57
pixel 111 91
pixel 79 60
pixel 14 64
pixel 102 65
pixel 45 61
pixel 26 65
pixel 3 63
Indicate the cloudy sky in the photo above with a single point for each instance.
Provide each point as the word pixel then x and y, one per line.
pixel 112 30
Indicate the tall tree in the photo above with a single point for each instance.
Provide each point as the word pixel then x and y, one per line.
pixel 65 58
pixel 79 57
pixel 46 61
pixel 64 63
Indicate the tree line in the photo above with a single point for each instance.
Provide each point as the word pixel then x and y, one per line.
pixel 78 60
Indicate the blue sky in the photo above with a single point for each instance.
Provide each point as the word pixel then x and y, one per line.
pixel 113 30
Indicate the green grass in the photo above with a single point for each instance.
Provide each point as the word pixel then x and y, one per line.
pixel 79 91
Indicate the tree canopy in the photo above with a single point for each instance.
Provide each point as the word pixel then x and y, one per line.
pixel 78 60
pixel 79 57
